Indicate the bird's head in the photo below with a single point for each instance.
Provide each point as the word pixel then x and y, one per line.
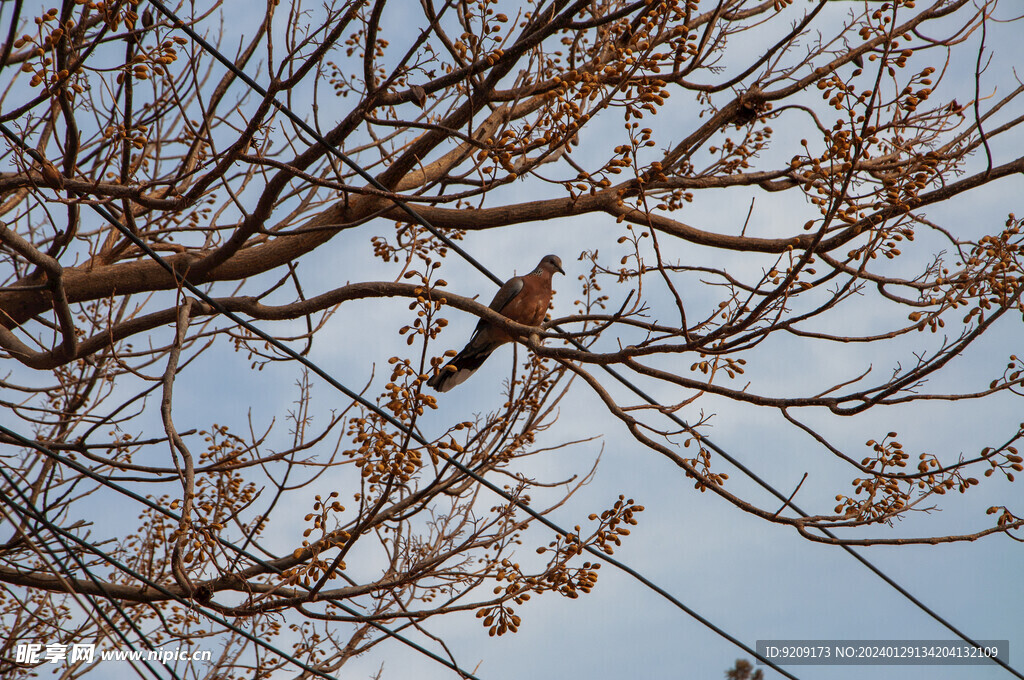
pixel 551 263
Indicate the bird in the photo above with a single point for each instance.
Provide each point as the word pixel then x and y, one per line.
pixel 523 299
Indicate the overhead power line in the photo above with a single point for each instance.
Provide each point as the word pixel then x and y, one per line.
pixel 331 380
pixel 78 467
pixel 185 283
pixel 10 134
pixel 191 603
pixel 32 516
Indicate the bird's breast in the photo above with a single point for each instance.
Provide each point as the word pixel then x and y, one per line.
pixel 529 309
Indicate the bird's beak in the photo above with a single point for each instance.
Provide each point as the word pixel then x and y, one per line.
pixel 561 271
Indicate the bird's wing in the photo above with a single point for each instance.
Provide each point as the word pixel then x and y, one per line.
pixel 505 295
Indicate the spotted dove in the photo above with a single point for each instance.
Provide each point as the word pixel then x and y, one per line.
pixel 523 299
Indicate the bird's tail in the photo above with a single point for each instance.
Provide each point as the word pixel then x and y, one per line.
pixel 462 365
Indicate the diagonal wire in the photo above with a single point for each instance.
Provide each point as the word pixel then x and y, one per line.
pixel 40 517
pixel 155 585
pixel 30 528
pixel 178 23
pixel 78 467
pixel 139 243
pixel 419 438
pixel 106 214
pixel 82 469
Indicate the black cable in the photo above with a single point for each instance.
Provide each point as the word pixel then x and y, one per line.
pixel 416 436
pixel 106 214
pixel 340 155
pixel 78 467
pixel 44 545
pixel 178 23
pixel 191 604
